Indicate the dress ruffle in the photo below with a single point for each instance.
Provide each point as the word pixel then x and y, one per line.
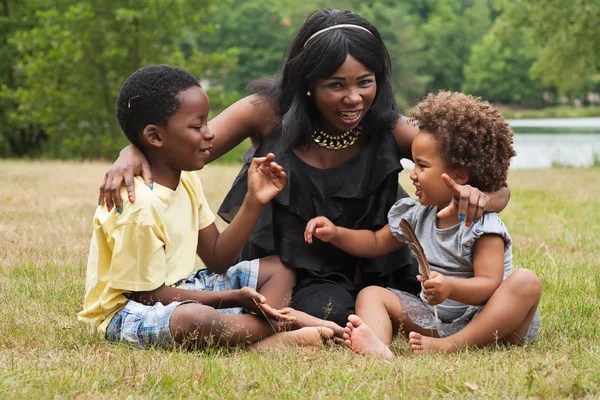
pixel 356 194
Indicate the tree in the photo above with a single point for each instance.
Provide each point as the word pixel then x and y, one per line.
pixel 451 31
pixel 499 72
pixel 73 59
pixel 565 36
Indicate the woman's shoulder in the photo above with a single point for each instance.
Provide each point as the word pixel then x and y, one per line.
pixel 253 113
pixel 404 132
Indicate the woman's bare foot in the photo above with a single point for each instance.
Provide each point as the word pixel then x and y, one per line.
pixel 422 344
pixel 310 336
pixel 303 320
pixel 360 338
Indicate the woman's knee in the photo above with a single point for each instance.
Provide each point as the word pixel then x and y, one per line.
pixel 273 266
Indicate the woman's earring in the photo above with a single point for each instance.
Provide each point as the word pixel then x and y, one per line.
pixel 308 92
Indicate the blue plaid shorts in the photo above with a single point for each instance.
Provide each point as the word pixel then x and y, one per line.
pixel 149 326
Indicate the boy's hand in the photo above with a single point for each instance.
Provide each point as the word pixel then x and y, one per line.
pixel 266 178
pixel 251 300
pixel 322 228
pixel 436 289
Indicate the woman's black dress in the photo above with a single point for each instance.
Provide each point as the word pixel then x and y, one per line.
pixel 356 194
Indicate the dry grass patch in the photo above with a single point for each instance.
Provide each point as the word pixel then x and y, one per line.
pixel 45 228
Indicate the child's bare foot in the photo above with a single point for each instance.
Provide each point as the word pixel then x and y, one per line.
pixel 311 336
pixel 303 320
pixel 422 344
pixel 360 338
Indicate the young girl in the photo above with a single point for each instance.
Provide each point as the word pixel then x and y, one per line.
pixel 462 140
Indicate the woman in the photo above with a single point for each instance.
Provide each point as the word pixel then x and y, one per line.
pixel 332 121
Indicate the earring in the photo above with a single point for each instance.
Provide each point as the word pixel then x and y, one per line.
pixel 308 92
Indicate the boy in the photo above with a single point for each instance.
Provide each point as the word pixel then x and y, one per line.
pixel 141 284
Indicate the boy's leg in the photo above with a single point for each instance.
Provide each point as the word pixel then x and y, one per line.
pixel 194 325
pixel 505 317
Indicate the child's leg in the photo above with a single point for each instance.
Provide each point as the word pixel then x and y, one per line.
pixel 195 325
pixel 381 310
pixel 379 315
pixel 505 317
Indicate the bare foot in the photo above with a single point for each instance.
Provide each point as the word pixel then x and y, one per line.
pixel 311 336
pixel 360 338
pixel 303 320
pixel 422 344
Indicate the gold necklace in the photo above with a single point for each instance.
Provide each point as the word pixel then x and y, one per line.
pixel 346 139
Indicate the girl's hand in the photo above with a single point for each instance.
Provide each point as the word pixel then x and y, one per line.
pixel 436 289
pixel 131 162
pixel 469 201
pixel 322 228
pixel 266 178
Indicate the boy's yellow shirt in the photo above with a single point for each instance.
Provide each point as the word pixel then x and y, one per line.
pixel 150 243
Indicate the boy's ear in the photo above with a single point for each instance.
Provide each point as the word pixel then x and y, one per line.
pixel 152 135
pixel 460 176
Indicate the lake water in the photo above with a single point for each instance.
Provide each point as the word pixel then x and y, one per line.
pixel 543 143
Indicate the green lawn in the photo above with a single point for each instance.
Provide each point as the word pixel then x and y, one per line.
pixel 46 210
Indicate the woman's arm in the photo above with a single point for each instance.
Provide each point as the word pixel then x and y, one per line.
pixel 250 117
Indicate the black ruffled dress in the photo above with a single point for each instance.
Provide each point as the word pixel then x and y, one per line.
pixel 356 194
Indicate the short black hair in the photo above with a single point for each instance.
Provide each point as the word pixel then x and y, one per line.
pixel 321 57
pixel 149 96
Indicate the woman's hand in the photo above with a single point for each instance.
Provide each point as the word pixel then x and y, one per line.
pixel 468 201
pixel 322 228
pixel 436 289
pixel 266 178
pixel 131 162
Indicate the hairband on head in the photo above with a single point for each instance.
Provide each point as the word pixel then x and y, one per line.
pixel 350 26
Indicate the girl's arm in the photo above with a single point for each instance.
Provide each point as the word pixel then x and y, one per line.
pixel 469 201
pixel 359 243
pixel 250 117
pixel 488 264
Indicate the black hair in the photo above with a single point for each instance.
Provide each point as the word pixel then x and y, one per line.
pixel 322 56
pixel 149 96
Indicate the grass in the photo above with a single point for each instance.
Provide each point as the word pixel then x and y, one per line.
pixel 549 112
pixel 45 227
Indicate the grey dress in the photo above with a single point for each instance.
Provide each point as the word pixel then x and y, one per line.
pixel 449 252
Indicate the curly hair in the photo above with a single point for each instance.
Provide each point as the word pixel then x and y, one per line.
pixel 149 96
pixel 471 134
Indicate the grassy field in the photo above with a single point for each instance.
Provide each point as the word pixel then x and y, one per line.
pixel 45 226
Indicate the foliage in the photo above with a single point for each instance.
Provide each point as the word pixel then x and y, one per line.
pixel 565 37
pixel 499 72
pixel 90 47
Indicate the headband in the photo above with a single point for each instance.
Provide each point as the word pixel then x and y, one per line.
pixel 351 26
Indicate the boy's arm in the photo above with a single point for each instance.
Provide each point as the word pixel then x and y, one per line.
pixel 219 251
pixel 360 243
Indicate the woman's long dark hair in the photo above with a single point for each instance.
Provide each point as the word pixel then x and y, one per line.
pixel 321 57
